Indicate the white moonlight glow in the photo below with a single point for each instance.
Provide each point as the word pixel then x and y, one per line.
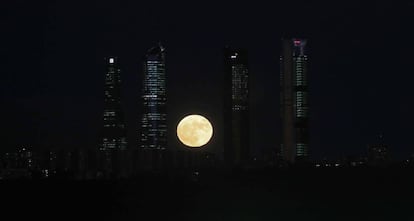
pixel 194 131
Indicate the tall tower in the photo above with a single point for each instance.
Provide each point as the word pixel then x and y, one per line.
pixel 294 100
pixel 114 132
pixel 154 110
pixel 236 107
pixel 113 144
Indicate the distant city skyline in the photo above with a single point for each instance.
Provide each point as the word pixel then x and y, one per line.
pixel 207 110
pixel 359 86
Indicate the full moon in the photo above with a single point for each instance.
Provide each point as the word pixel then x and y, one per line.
pixel 194 130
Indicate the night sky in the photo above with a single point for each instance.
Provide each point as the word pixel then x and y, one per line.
pixel 360 61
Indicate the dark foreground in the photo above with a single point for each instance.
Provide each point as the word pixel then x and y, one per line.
pixel 329 194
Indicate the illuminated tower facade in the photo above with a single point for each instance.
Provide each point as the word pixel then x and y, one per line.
pixel 114 132
pixel 236 107
pixel 153 97
pixel 294 100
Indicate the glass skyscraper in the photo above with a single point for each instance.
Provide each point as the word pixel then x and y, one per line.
pixel 294 100
pixel 114 132
pixel 236 107
pixel 154 110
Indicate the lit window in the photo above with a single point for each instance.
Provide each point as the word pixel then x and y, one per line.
pixel 301 149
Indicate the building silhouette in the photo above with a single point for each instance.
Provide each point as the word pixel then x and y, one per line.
pixel 378 154
pixel 236 107
pixel 294 100
pixel 153 139
pixel 114 131
pixel 154 115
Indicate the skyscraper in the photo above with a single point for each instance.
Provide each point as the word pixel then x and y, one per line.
pixel 294 100
pixel 114 132
pixel 114 142
pixel 154 110
pixel 236 107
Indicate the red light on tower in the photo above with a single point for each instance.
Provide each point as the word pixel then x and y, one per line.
pixel 296 42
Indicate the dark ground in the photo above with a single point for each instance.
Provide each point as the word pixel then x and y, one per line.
pixel 313 194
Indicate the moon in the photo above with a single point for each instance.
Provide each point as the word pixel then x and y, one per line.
pixel 194 130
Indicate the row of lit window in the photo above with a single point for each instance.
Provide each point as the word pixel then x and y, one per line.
pixel 152 106
pixel 301 149
pixel 154 102
pixel 153 91
pixel 153 62
pixel 154 86
pixel 301 112
pixel 300 104
pixel 154 82
pixel 239 107
pixel 115 125
pixel 155 68
pixel 159 125
pixel 109 113
pixel 155 72
pixel 157 118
